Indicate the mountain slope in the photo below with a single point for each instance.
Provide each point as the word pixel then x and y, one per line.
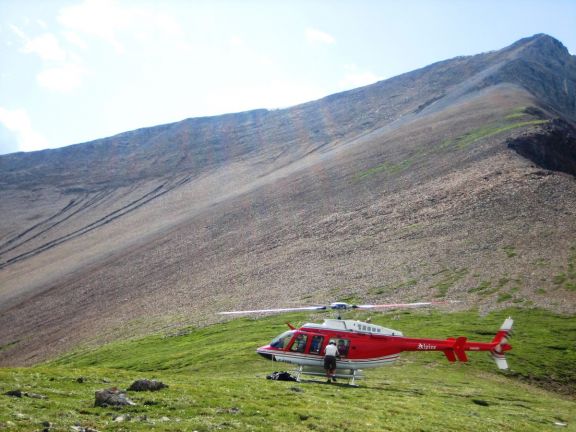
pixel 405 189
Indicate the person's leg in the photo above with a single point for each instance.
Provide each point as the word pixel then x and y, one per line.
pixel 327 368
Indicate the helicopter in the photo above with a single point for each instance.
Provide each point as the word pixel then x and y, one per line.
pixel 363 345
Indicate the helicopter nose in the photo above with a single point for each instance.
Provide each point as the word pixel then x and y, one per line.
pixel 263 353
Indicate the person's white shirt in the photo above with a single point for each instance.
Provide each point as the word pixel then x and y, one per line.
pixel 331 350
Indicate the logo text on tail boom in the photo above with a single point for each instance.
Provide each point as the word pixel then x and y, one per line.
pixel 423 346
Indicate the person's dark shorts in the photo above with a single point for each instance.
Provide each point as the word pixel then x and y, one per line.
pixel 329 362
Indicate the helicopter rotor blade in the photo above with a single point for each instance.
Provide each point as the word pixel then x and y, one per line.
pixel 339 306
pixel 399 305
pixel 310 308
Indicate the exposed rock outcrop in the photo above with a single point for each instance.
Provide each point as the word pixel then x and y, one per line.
pixel 553 147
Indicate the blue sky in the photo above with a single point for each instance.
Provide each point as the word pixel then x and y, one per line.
pixel 76 70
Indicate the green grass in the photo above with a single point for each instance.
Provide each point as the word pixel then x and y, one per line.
pixel 510 251
pixel 567 279
pixel 482 286
pixel 503 297
pixel 469 138
pixel 449 278
pixel 217 382
pixel 393 288
pixel 462 142
pixel 519 112
pixel 388 168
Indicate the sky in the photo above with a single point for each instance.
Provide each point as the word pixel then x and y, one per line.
pixel 73 71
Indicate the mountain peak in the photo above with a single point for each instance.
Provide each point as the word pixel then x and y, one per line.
pixel 542 44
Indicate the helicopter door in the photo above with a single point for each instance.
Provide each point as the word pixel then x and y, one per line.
pixel 316 345
pixel 343 346
pixel 299 343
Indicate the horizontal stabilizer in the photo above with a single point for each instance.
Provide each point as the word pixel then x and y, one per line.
pixel 459 349
pixel 449 353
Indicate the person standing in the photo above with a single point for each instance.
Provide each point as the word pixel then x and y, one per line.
pixel 330 354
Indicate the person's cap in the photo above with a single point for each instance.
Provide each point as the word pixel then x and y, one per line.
pixel 332 343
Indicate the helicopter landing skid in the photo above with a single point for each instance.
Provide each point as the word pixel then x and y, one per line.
pixel 350 374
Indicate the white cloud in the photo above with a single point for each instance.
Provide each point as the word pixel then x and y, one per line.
pixel 109 21
pixel 355 77
pixel 162 23
pixel 18 121
pixel 100 18
pixel 271 95
pixel 46 46
pixel 317 36
pixel 19 32
pixel 59 73
pixel 236 41
pixel 63 78
pixel 42 24
pixel 74 39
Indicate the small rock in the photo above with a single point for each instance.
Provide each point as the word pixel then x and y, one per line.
pixel 82 429
pixel 121 418
pixel 164 419
pixel 147 385
pixel 233 410
pixel 20 393
pixel 35 396
pixel 111 397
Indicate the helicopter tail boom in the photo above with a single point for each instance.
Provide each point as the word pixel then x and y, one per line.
pixel 456 350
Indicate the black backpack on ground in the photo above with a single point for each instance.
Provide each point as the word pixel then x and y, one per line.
pixel 281 376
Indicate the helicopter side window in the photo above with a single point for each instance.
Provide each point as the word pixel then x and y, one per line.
pixel 282 341
pixel 316 344
pixel 343 346
pixel 299 343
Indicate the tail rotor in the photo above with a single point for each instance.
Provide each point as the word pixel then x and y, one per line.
pixel 501 345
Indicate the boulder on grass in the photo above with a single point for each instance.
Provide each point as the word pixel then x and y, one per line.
pixel 112 397
pixel 147 385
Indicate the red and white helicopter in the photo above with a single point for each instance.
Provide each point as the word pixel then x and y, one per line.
pixel 364 345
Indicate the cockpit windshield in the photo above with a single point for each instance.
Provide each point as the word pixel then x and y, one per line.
pixel 282 341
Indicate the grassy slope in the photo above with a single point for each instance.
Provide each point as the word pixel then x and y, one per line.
pixel 217 382
pixel 517 119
